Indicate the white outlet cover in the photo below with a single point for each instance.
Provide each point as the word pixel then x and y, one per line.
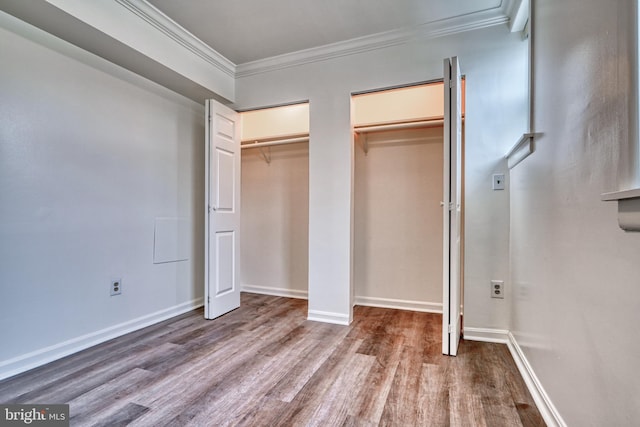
pixel 497 285
pixel 116 290
pixel 498 181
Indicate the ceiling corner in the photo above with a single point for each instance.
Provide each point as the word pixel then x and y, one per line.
pixel 458 24
pixel 161 22
pixel 518 13
pixel 136 36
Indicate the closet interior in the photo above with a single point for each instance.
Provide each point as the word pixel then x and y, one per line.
pixel 275 201
pixel 398 217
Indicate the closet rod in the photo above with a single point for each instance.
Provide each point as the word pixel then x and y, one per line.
pixel 400 140
pixel 277 142
pixel 410 125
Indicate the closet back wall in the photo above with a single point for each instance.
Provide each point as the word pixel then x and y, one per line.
pixel 398 220
pixel 275 204
pixel 275 221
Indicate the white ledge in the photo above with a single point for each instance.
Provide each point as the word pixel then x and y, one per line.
pixel 520 151
pixel 621 195
pixel 628 207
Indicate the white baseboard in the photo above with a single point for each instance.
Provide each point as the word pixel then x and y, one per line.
pixel 543 401
pixel 25 362
pixel 548 411
pixel 486 335
pixel 428 307
pixel 278 292
pixel 328 317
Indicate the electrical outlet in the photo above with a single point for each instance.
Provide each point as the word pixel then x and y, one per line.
pixel 497 289
pixel 116 287
pixel 498 181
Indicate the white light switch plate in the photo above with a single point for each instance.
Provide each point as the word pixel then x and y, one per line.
pixel 498 181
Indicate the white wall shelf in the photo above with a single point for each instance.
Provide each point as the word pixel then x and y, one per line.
pixel 521 150
pixel 628 207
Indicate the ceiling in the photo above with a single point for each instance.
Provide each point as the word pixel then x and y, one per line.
pixel 250 30
pixel 199 48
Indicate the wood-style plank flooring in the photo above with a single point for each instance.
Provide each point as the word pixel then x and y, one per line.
pixel 266 365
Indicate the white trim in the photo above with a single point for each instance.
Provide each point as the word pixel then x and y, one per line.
pixel 179 34
pixel 486 335
pixel 628 208
pixel 459 24
pixel 546 408
pixel 328 317
pixel 621 195
pixel 518 13
pixel 509 12
pixel 400 304
pixel 521 150
pixel 278 292
pixel 543 402
pixel 25 362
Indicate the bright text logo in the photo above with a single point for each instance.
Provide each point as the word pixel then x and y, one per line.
pixel 34 415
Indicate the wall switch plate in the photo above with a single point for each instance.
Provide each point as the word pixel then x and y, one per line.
pixel 497 289
pixel 498 181
pixel 116 287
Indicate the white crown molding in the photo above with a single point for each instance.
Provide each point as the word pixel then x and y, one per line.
pixel 518 13
pixel 179 34
pixel 431 30
pixel 509 12
pixel 510 7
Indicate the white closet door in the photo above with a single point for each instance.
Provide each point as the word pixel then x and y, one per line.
pixel 222 228
pixel 451 323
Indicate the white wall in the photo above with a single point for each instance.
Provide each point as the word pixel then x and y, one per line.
pixel 398 219
pixel 576 293
pixel 275 220
pixel 138 37
pixel 494 61
pixel 90 155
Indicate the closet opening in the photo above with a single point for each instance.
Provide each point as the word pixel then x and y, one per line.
pixel 398 212
pixel 275 201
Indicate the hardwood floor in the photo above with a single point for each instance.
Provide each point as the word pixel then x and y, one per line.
pixel 265 365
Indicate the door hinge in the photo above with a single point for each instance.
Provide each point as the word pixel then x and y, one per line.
pixel 209 302
pixel 209 118
pixel 451 206
pixel 450 329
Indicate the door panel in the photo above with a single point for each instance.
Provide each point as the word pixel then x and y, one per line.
pixel 225 127
pixel 451 324
pixel 225 162
pixel 225 263
pixel 222 228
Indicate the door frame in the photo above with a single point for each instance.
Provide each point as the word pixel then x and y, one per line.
pixel 446 173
